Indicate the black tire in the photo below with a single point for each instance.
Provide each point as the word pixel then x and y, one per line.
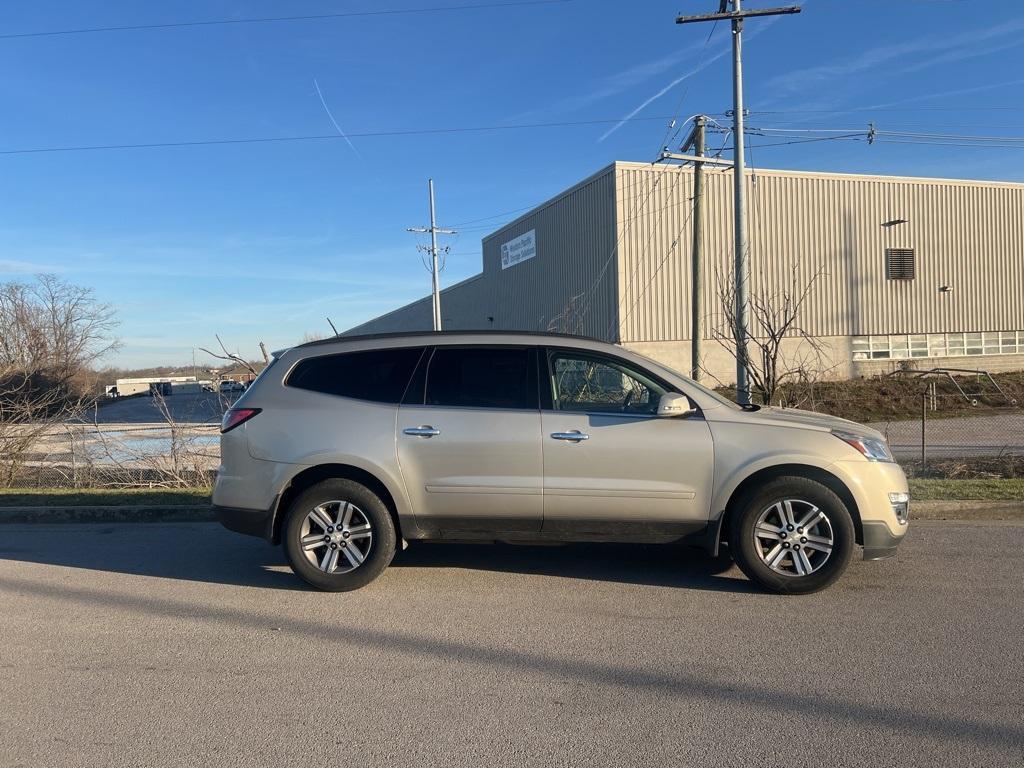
pixel 368 506
pixel 796 489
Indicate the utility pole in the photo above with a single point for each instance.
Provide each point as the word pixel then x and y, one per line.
pixel 741 264
pixel 696 139
pixel 434 231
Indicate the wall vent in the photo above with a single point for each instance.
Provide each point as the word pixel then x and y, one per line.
pixel 899 264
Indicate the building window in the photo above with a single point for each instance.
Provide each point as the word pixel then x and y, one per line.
pixel 938 345
pixel 899 264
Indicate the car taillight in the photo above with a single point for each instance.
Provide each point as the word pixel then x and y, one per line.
pixel 235 416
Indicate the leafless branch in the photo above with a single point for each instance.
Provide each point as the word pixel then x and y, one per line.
pixel 773 318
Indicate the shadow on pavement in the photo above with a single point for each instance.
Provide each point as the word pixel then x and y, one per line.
pixel 678 684
pixel 189 552
pixel 666 565
pixel 205 552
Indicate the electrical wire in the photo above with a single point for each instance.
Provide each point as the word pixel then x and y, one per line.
pixel 883 140
pixel 274 19
pixel 495 216
pixel 666 141
pixel 316 137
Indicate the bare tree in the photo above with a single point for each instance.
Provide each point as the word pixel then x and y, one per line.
pixel 51 335
pixel 570 319
pixel 230 356
pixel 774 318
pixel 51 325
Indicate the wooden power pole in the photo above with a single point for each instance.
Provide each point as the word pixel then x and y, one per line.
pixel 696 310
pixel 741 264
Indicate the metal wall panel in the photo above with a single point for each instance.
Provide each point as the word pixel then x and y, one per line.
pixel 967 235
pixel 613 256
pixel 569 286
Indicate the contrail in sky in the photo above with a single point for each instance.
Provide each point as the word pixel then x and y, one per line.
pixel 333 121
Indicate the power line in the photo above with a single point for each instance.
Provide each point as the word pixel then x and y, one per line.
pixel 918 135
pixel 998 108
pixel 317 137
pixel 494 216
pixel 273 19
pixel 949 143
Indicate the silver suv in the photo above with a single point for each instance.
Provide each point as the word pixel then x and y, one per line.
pixel 344 449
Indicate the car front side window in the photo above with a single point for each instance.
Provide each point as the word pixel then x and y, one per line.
pixel 601 385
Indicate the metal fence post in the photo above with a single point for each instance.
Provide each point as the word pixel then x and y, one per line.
pixel 924 421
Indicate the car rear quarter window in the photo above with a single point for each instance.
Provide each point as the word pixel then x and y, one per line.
pixel 377 375
pixel 483 377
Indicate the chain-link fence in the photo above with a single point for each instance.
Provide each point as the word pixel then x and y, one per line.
pixel 947 436
pixel 121 455
pixel 950 438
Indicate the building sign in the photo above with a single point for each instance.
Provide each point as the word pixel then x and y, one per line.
pixel 519 249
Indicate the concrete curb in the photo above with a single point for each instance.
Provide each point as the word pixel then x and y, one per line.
pixel 167 513
pixel 196 513
pixel 966 510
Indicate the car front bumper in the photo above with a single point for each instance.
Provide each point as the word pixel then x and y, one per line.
pixel 879 542
pixel 871 483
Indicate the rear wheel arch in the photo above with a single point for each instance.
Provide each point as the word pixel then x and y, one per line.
pixel 766 475
pixel 313 475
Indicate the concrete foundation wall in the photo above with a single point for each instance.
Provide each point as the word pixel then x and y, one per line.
pixel 835 361
pixel 831 361
pixel 990 363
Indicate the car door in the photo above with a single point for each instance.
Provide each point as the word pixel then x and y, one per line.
pixel 611 465
pixel 469 442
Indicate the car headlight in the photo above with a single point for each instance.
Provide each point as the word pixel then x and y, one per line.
pixel 869 447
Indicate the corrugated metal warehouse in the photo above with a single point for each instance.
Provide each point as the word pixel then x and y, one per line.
pixel 900 271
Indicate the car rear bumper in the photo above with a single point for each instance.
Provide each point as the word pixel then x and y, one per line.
pixel 252 522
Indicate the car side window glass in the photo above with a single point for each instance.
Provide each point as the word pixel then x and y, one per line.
pixel 377 375
pixel 482 377
pixel 600 385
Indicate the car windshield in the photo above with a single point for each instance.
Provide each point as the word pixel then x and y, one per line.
pixel 690 382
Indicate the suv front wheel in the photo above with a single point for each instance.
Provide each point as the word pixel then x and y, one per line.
pixel 339 535
pixel 792 535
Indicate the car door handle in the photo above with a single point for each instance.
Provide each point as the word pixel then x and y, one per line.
pixel 575 436
pixel 424 431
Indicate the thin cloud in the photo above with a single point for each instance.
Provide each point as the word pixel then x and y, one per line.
pixel 612 85
pixel 704 63
pixel 946 94
pixel 11 267
pixel 931 49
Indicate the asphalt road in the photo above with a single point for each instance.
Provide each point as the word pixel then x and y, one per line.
pixel 183 408
pixel 139 645
pixel 959 437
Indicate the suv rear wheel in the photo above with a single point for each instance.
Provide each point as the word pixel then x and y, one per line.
pixel 792 535
pixel 339 535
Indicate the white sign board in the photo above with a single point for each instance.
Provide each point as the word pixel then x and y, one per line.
pixel 519 249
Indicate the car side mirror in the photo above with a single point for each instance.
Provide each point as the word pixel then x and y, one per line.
pixel 673 405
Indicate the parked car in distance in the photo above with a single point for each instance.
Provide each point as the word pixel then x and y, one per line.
pixel 345 448
pixel 231 386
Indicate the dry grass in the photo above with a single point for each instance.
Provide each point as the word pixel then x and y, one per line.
pixel 891 398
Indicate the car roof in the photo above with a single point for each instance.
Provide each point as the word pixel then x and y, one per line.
pixel 420 336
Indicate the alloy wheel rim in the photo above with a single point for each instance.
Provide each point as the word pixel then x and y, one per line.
pixel 793 537
pixel 336 537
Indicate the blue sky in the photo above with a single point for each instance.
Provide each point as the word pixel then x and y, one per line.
pixel 262 241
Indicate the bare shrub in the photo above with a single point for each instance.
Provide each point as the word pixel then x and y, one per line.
pixel 774 317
